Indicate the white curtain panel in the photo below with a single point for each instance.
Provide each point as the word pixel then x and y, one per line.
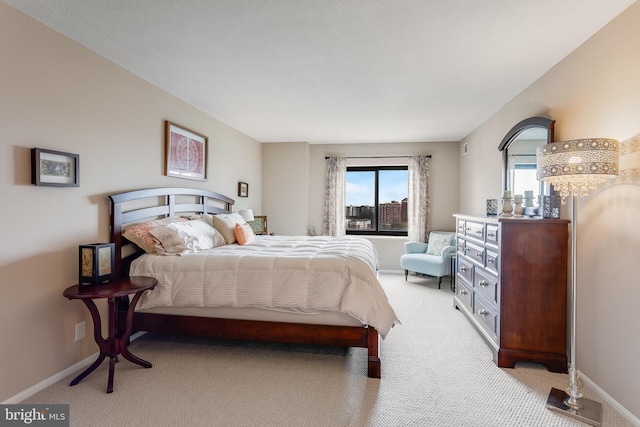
pixel 419 199
pixel 334 197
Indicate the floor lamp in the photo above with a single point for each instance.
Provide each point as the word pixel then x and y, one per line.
pixel 573 168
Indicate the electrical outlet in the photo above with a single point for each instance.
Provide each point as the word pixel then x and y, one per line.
pixel 81 330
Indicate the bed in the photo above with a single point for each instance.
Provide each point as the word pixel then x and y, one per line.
pixel 266 298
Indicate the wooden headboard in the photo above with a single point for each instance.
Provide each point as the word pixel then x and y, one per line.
pixel 153 203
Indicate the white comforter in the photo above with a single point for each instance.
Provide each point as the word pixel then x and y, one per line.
pixel 303 274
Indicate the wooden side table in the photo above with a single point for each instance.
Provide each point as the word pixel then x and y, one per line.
pixel 116 343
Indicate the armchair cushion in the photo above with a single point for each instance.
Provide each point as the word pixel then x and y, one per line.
pixel 437 242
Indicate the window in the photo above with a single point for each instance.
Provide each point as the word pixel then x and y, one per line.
pixel 376 200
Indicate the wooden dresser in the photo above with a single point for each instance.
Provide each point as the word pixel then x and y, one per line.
pixel 512 285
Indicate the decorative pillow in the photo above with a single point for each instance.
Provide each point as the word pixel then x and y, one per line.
pixel 189 236
pixel 226 225
pixel 244 234
pixel 141 236
pixel 437 242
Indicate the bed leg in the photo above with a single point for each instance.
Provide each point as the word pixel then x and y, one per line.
pixel 373 347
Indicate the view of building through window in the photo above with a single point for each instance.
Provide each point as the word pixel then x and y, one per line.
pixel 376 200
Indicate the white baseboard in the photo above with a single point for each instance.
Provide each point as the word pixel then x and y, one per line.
pixel 57 377
pixel 610 400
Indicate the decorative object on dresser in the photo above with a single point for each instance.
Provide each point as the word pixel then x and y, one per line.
pixel 492 206
pixel 511 283
pixel 507 207
pixel 54 168
pixel 575 167
pixel 185 152
pixel 96 263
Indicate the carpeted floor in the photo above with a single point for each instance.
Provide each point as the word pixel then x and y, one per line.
pixel 436 371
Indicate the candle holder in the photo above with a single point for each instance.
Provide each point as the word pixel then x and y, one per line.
pixel 507 207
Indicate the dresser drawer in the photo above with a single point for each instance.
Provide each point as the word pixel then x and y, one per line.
pixel 460 226
pixel 486 315
pixel 465 269
pixel 492 234
pixel 460 245
pixel 492 261
pixel 465 295
pixel 475 252
pixel 474 230
pixel 486 284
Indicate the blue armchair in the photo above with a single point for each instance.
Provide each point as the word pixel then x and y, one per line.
pixel 432 258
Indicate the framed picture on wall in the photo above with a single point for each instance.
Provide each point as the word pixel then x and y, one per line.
pixel 243 189
pixel 54 168
pixel 185 153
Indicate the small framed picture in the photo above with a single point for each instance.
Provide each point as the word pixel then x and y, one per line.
pixel 54 168
pixel 243 189
pixel 259 225
pixel 185 153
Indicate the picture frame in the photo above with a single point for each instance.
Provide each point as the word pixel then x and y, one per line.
pixel 259 225
pixel 185 152
pixel 54 168
pixel 243 189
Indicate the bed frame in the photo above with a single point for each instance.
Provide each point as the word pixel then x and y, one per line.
pixel 136 206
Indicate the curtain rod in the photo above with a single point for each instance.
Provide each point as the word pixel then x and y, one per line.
pixel 373 157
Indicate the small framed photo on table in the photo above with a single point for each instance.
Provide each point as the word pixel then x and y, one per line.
pixel 185 153
pixel 54 168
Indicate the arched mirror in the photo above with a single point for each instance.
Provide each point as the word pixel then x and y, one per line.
pixel 519 155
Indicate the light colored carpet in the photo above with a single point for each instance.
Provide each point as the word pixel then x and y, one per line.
pixel 436 371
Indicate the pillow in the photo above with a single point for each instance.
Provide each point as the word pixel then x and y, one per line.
pixel 141 236
pixel 244 234
pixel 189 236
pixel 437 242
pixel 226 225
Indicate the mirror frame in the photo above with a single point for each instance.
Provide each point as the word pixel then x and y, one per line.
pixel 512 135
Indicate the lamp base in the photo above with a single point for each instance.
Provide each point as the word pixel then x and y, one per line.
pixel 590 411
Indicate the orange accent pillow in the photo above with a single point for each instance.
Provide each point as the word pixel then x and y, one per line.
pixel 244 234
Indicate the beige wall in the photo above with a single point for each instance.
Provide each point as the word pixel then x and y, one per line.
pixel 58 95
pixel 594 92
pixel 290 165
pixel 285 182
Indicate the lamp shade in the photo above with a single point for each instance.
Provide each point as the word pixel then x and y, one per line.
pixel 96 263
pixel 577 166
pixel 247 214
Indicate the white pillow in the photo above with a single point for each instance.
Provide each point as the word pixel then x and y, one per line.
pixel 437 242
pixel 188 236
pixel 226 225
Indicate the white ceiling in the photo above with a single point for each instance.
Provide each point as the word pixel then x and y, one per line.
pixel 333 71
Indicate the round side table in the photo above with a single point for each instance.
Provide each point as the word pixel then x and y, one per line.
pixel 117 341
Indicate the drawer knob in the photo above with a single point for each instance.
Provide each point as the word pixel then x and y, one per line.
pixel 490 260
pixel 463 292
pixel 482 312
pixel 463 268
pixel 483 283
pixel 479 254
pixel 491 235
pixel 478 231
pixel 467 249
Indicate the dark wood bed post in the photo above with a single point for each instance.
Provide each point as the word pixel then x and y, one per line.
pixel 373 352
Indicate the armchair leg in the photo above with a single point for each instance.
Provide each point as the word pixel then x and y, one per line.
pixel 439 281
pixel 406 273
